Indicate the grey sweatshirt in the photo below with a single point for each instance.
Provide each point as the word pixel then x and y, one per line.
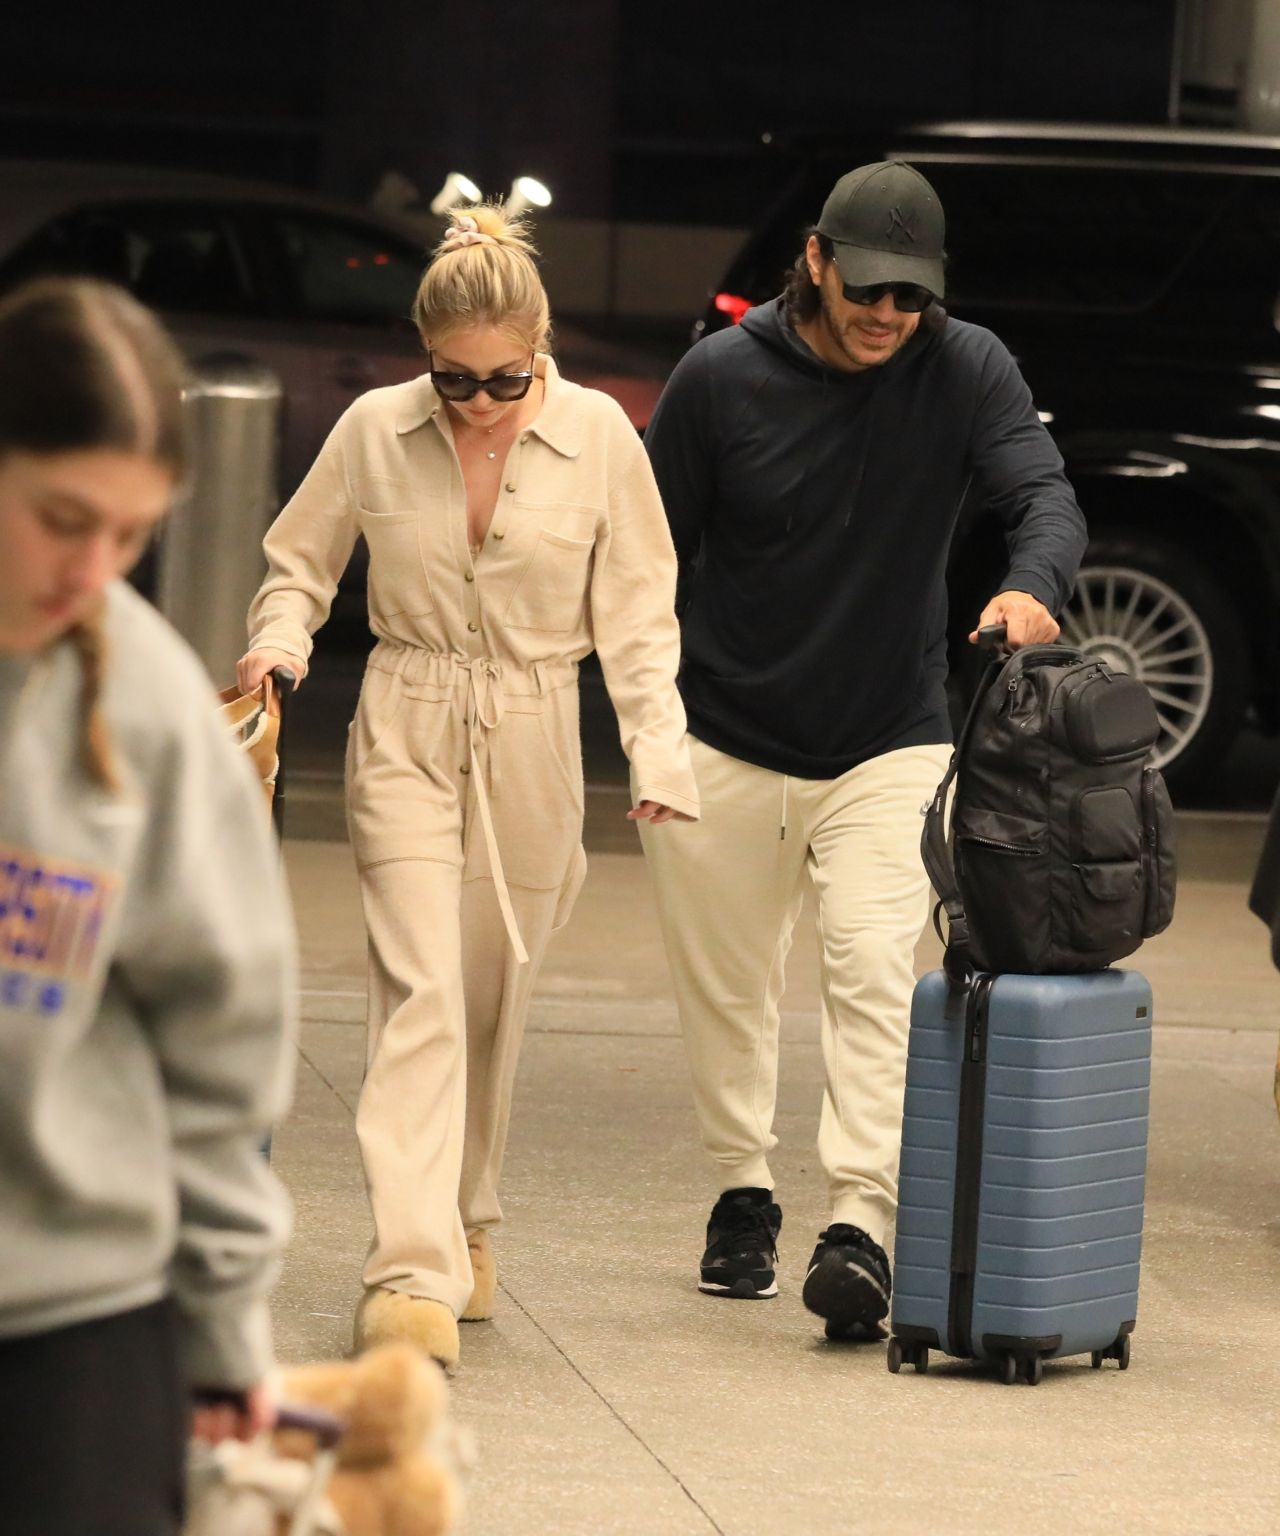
pixel 146 1006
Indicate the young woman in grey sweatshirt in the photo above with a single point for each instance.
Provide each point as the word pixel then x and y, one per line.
pixel 146 958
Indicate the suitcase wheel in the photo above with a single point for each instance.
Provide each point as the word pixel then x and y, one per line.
pixel 1119 1352
pixel 1029 1367
pixel 899 1354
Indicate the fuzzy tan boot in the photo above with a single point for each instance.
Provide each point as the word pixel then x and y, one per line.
pixel 485 1272
pixel 391 1317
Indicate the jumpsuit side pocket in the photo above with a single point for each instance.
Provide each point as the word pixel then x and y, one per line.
pixel 559 729
pixel 571 889
pixel 381 700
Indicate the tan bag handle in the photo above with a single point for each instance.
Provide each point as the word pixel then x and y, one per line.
pixel 257 721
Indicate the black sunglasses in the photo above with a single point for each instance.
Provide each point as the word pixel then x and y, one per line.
pixel 465 386
pixel 909 298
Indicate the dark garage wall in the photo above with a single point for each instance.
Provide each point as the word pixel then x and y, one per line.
pixel 637 109
pixel 713 88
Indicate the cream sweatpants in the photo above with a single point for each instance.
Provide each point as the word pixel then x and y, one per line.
pixel 729 890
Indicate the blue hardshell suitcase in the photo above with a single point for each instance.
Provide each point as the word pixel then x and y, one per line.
pixel 1024 1150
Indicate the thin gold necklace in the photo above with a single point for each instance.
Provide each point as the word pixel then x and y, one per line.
pixel 492 453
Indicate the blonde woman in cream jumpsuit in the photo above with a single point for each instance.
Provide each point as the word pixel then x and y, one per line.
pixel 506 541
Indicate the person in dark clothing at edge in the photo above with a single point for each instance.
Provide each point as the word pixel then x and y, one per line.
pixel 812 461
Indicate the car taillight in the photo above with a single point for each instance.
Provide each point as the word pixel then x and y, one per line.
pixel 732 304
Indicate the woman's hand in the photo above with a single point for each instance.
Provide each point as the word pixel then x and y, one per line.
pixel 254 666
pixel 654 812
pixel 219 1416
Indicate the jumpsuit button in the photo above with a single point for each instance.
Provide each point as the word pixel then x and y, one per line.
pixel 465 768
pixel 469 576
pixel 474 628
pixel 499 535
pixel 524 437
pixel 511 485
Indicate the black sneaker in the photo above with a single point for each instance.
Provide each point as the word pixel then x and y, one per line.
pixel 742 1245
pixel 848 1283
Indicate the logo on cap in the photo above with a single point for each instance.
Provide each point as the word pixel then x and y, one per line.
pixel 899 229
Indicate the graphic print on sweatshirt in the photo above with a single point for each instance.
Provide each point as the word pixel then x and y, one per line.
pixel 52 916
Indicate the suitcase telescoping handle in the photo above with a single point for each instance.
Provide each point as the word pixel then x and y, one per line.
pixel 935 844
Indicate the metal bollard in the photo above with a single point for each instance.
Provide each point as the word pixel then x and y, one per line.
pixel 210 560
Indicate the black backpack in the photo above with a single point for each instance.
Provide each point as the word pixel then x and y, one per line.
pixel 1061 850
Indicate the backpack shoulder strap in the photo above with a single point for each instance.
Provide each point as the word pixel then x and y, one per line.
pixel 936 847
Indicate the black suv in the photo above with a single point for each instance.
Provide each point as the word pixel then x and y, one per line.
pixel 1135 274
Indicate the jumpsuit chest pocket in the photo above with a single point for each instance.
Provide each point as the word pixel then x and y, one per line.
pixel 398 582
pixel 551 592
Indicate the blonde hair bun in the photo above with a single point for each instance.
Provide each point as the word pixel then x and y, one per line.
pixel 484 272
pixel 492 222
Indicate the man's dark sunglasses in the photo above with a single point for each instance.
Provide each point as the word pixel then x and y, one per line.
pixel 465 386
pixel 909 298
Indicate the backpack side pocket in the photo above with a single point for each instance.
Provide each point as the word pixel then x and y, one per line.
pixel 1107 875
pixel 1159 855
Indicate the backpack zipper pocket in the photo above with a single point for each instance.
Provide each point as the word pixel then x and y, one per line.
pixel 1108 717
pixel 1003 872
pixel 993 842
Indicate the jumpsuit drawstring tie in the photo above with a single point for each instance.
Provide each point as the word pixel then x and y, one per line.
pixel 486 706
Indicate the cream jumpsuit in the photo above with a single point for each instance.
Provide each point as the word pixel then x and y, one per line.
pixel 464 767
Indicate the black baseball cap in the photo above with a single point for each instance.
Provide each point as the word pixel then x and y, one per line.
pixel 887 226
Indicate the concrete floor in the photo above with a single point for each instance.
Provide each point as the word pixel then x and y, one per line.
pixel 608 1396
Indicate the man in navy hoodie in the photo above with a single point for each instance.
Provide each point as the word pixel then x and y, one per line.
pixel 812 461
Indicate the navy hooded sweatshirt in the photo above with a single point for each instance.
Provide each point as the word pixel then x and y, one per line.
pixel 812 510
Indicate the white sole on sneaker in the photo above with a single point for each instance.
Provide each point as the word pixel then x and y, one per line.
pixel 740 1290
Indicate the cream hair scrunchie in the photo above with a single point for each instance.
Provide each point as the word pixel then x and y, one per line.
pixel 465 231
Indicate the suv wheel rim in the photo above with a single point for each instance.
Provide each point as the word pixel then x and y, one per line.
pixel 1141 625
